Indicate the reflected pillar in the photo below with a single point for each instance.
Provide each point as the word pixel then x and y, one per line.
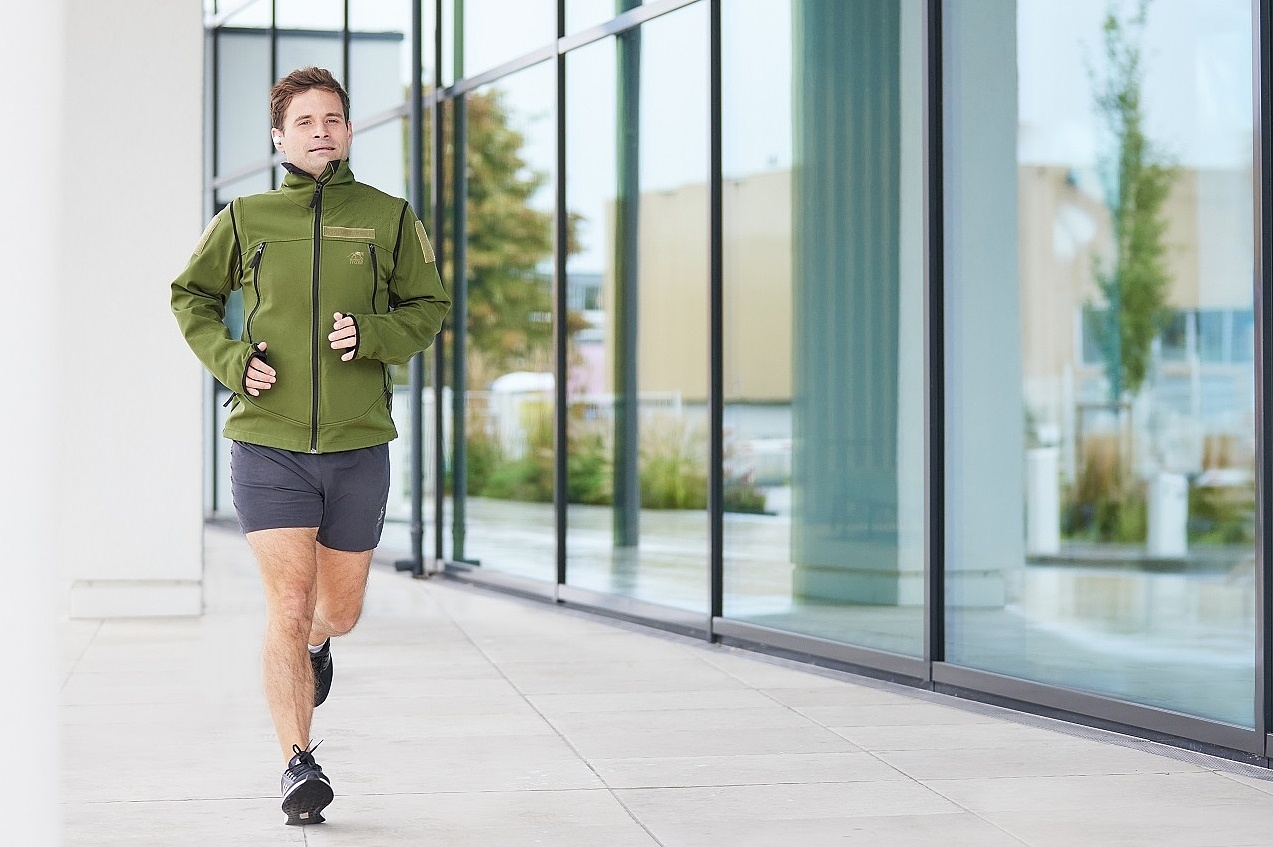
pixel 846 253
pixel 985 410
pixel 627 401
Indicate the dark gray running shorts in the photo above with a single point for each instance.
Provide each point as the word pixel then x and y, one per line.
pixel 343 494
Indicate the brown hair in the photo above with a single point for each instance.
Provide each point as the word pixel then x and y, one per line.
pixel 298 82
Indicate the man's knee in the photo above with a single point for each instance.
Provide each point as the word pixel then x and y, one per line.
pixel 342 620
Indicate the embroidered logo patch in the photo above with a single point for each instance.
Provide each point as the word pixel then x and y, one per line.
pixel 356 257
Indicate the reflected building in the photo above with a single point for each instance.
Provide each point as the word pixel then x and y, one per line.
pixel 897 351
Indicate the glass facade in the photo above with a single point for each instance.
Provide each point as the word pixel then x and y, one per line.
pixel 928 345
pixel 1105 198
pixel 823 329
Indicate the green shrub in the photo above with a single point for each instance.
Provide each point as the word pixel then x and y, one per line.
pixel 742 495
pixel 673 470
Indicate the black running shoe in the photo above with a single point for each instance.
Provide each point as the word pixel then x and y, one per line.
pixel 306 789
pixel 322 662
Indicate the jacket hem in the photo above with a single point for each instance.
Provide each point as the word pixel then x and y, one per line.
pixel 301 445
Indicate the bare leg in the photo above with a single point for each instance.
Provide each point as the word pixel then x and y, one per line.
pixel 289 574
pixel 342 582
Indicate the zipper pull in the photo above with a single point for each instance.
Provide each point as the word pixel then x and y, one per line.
pixel 318 195
pixel 256 257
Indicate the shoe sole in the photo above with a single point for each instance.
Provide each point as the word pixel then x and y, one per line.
pixel 305 804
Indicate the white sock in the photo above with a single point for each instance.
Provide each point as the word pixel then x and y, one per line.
pixel 316 650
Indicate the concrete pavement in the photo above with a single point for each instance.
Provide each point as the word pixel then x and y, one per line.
pixel 463 717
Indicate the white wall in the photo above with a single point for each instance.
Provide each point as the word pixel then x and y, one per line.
pixel 30 60
pixel 128 436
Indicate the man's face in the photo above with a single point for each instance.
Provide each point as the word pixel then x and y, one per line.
pixel 314 131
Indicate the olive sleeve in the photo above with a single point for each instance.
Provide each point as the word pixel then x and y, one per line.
pixel 418 302
pixel 198 301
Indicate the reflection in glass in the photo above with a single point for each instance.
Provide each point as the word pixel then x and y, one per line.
pixel 397 530
pixel 254 14
pixel 297 49
pixel 637 286
pixel 372 23
pixel 503 511
pixel 581 14
pixel 823 327
pixel 1107 543
pixel 378 157
pixel 243 98
pixel 495 31
pixel 309 15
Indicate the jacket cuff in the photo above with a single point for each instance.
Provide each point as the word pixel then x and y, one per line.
pixel 357 336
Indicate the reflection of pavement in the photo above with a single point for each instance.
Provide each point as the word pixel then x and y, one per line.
pixel 668 567
pixel 1180 640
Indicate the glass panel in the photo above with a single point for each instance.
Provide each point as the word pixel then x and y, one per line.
pixel 581 14
pixel 504 514
pixel 637 419
pixel 380 53
pixel 309 15
pixel 322 49
pixel 243 99
pixel 1108 543
pixel 446 62
pixel 378 157
pixel 252 184
pixel 397 530
pixel 254 14
pixel 495 31
pixel 824 424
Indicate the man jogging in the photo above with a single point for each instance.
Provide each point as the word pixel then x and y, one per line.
pixel 339 282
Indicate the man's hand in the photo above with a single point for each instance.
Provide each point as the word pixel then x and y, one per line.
pixel 259 376
pixel 344 335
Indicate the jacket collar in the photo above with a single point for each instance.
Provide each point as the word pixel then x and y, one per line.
pixel 300 186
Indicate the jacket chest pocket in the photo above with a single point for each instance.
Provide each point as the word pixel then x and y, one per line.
pixel 355 276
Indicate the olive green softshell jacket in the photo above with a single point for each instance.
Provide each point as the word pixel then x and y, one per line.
pixel 300 254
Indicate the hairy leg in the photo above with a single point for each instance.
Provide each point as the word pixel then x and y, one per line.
pixel 342 582
pixel 289 575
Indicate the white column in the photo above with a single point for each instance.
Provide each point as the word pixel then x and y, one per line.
pixel 128 494
pixel 31 61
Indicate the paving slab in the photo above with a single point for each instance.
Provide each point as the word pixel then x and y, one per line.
pixel 460 716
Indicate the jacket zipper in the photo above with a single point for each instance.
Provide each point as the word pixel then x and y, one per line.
pixel 375 277
pixel 255 265
pixel 375 281
pixel 317 204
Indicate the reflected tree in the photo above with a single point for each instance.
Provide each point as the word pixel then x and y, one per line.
pixel 1138 178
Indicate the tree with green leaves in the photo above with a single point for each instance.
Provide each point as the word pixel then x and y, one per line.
pixel 509 244
pixel 1138 179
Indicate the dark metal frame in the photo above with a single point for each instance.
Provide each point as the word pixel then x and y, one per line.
pixel 716 331
pixel 934 340
pixel 416 133
pixel 1263 284
pixel 561 235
